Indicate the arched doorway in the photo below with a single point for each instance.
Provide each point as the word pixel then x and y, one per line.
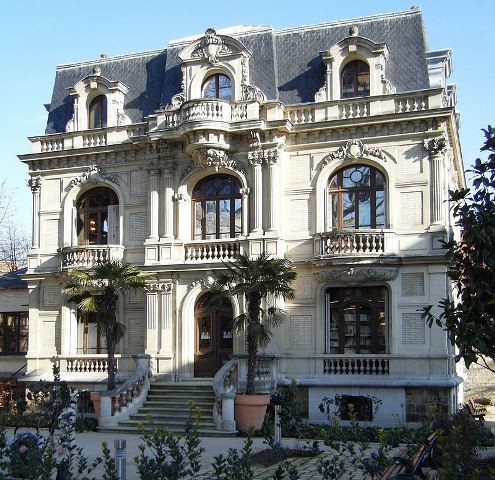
pixel 213 336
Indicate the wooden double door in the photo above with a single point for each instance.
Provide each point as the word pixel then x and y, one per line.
pixel 213 339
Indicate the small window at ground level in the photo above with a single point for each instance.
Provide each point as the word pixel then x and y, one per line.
pixel 356 79
pixel 217 86
pixel 353 407
pixel 97 112
pixel 14 327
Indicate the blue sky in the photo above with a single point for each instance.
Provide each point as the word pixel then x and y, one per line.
pixel 37 35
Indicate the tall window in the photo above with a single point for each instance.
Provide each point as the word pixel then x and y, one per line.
pixel 94 209
pixel 217 208
pixel 14 328
pixel 356 320
pixel 98 112
pixel 356 79
pixel 357 198
pixel 90 339
pixel 217 86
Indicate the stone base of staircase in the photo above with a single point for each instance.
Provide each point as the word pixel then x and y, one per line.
pixel 167 406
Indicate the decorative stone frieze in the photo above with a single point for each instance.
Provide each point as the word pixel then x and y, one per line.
pixel 353 150
pixel 356 274
pixel 94 173
pixel 162 287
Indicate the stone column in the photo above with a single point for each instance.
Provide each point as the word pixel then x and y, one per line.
pixel 181 203
pixel 255 159
pixel 154 171
pixel 436 148
pixel 165 323
pixel 168 191
pixel 151 321
pixel 245 196
pixel 273 169
pixel 35 185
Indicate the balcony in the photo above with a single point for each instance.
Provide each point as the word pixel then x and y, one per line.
pixel 212 251
pixel 89 256
pixel 355 243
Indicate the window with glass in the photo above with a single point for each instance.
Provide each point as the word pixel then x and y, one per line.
pixel 14 328
pixel 356 79
pixel 356 320
pixel 98 112
pixel 90 339
pixel 93 209
pixel 217 208
pixel 357 198
pixel 217 86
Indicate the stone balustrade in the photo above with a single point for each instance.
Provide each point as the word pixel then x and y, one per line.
pixel 88 364
pixel 356 242
pixel 90 255
pixel 357 365
pixel 212 251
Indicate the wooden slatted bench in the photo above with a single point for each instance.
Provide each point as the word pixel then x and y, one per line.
pixel 476 410
pixel 407 465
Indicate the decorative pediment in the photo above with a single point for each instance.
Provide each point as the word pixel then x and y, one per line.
pixel 212 158
pixel 357 274
pixel 93 174
pixel 212 47
pixel 353 150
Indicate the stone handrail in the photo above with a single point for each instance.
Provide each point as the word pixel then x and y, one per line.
pixel 265 373
pixel 117 405
pixel 89 364
pixel 356 365
pixel 224 386
pixel 89 255
pixel 356 242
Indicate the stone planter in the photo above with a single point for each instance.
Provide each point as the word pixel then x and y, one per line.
pixel 250 411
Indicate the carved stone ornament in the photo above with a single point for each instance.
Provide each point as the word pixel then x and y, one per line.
pixel 159 287
pixel 176 101
pixel 254 140
pixel 269 155
pixel 436 146
pixel 179 197
pixel 357 274
pixel 34 183
pixel 93 174
pixel 212 158
pixel 252 93
pixel 321 94
pixel 70 125
pixel 353 150
pixel 205 282
pixel 211 47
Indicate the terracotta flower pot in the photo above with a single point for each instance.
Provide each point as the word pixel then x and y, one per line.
pixel 95 398
pixel 250 411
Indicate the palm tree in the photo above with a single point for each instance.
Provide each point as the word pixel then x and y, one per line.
pixel 255 280
pixel 97 290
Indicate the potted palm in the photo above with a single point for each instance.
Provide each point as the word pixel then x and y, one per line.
pixel 97 289
pixel 254 280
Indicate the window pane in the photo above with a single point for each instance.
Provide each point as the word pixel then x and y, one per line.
pixel 224 217
pixel 364 209
pixel 211 218
pixel 334 211
pixel 380 209
pixel 93 228
pixel 349 215
pixel 209 88
pixel 238 216
pixel 198 215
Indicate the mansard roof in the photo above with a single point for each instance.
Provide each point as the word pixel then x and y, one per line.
pixel 285 64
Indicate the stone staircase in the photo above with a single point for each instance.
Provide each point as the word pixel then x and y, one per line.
pixel 167 406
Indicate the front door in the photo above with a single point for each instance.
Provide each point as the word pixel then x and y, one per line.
pixel 213 337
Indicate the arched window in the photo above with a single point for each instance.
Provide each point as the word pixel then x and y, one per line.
pixel 357 198
pixel 356 320
pixel 97 217
pixel 217 208
pixel 97 112
pixel 217 86
pixel 356 79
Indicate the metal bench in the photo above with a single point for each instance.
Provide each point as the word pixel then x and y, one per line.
pixel 476 410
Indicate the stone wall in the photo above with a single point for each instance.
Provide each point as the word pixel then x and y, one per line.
pixel 420 401
pixel 480 382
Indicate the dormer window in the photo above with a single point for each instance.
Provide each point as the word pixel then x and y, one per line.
pixel 356 79
pixel 217 86
pixel 97 112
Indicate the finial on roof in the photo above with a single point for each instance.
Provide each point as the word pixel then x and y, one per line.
pixel 353 31
pixel 96 70
pixel 414 7
pixel 103 55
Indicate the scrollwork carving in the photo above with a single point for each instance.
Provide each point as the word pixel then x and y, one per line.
pixel 353 150
pixel 252 93
pixel 211 47
pixel 357 274
pixel 212 158
pixel 93 174
pixel 205 282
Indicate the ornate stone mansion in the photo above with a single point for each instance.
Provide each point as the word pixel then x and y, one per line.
pixel 332 145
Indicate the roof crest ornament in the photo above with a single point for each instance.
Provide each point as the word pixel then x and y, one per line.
pixel 211 47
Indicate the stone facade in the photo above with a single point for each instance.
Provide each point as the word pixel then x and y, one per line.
pixel 285 141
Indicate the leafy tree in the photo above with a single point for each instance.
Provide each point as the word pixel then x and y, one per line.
pixel 255 280
pixel 97 290
pixel 470 318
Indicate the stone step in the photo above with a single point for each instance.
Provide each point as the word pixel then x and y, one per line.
pixel 176 426
pixel 203 432
pixel 167 414
pixel 173 402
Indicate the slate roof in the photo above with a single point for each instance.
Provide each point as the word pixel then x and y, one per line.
pixel 13 279
pixel 285 65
